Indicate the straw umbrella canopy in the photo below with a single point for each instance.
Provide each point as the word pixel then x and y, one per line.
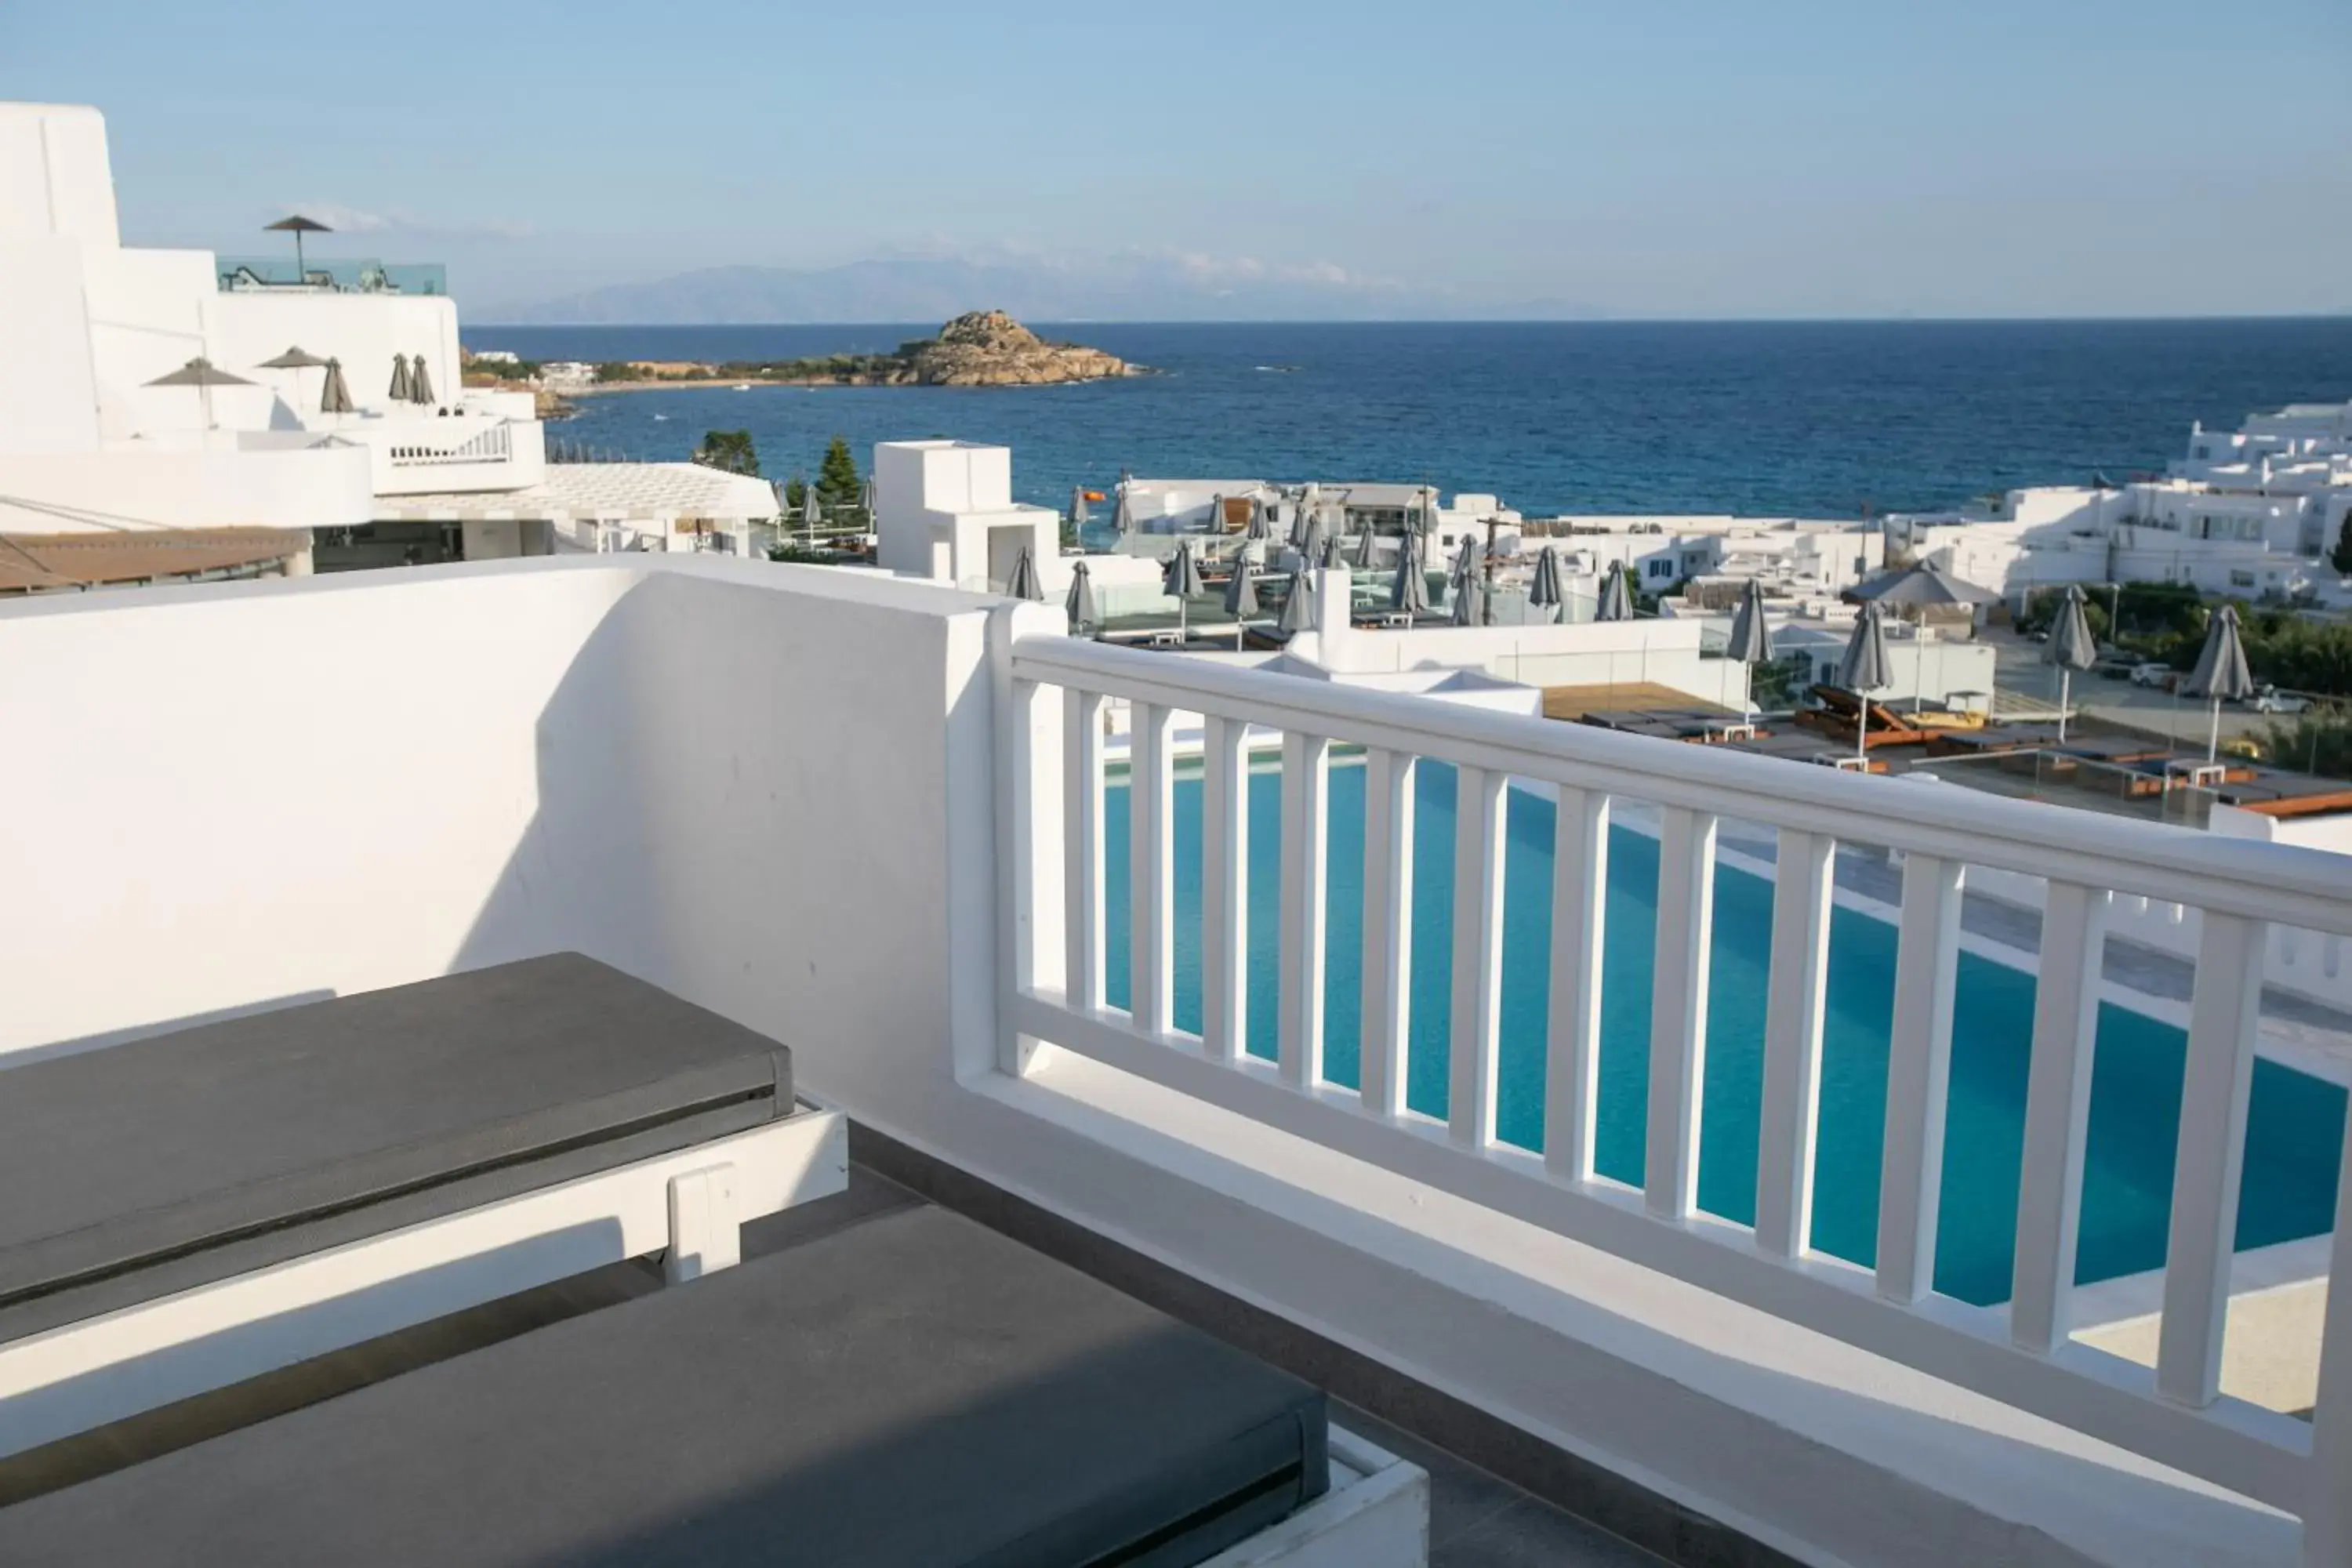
pixel 2070 646
pixel 1863 669
pixel 1751 642
pixel 2221 672
pixel 1410 593
pixel 420 385
pixel 1544 593
pixel 1181 580
pixel 1078 518
pixel 203 375
pixel 1081 602
pixel 1024 583
pixel 400 391
pixel 1241 598
pixel 334 396
pixel 295 359
pixel 1616 599
pixel 298 225
pixel 1297 607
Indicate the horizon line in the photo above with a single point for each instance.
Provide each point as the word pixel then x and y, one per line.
pixel 1894 321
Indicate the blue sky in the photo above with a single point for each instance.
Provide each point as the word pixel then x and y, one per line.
pixel 1649 159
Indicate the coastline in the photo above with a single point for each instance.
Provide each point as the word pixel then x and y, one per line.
pixel 599 389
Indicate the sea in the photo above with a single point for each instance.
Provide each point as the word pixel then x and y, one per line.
pixel 1811 420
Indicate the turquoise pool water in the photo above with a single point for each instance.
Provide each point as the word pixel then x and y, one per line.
pixel 2297 1121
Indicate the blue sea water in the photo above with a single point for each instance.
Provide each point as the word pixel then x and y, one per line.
pixel 2295 1125
pixel 1809 418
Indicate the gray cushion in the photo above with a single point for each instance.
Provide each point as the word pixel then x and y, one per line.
pixel 146 1168
pixel 912 1391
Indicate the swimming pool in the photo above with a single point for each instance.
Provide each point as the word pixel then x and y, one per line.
pixel 2294 1128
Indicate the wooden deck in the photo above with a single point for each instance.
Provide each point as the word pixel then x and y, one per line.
pixel 1573 702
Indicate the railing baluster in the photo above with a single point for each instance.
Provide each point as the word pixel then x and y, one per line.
pixel 1580 908
pixel 1919 1074
pixel 1305 796
pixel 1151 861
pixel 1678 1011
pixel 2057 1111
pixel 2215 1087
pixel 1224 889
pixel 2328 1488
pixel 1388 929
pixel 1479 823
pixel 1082 761
pixel 1794 1010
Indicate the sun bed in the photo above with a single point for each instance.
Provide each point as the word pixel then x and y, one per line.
pixel 913 1390
pixel 192 1208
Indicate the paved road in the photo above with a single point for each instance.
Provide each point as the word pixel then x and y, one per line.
pixel 2017 667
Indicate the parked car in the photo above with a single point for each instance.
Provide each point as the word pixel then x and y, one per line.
pixel 2152 673
pixel 2114 666
pixel 2271 700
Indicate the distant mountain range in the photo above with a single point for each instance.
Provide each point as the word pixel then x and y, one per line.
pixel 932 289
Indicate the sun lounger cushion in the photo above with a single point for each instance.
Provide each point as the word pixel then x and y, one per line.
pixel 147 1168
pixel 911 1391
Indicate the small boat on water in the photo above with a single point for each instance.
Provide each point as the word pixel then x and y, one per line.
pixel 740 386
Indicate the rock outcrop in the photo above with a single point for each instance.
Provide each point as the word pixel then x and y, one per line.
pixel 989 348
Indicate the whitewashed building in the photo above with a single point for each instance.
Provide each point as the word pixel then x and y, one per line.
pixel 240 454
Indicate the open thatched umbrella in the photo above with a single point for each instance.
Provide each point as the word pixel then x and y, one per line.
pixel 297 360
pixel 203 375
pixel 2221 672
pixel 2070 647
pixel 298 225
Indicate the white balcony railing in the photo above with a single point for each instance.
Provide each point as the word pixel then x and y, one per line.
pixel 1052 773
pixel 490 446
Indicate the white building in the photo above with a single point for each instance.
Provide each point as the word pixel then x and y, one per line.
pixel 2251 514
pixel 944 513
pixel 90 443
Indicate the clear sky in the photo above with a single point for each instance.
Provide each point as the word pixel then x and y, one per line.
pixel 1642 157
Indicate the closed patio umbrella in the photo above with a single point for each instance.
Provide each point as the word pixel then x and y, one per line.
pixel 1616 599
pixel 1297 607
pixel 1751 642
pixel 1122 516
pixel 203 375
pixel 1365 553
pixel 334 396
pixel 1024 583
pixel 1241 599
pixel 1081 602
pixel 1544 591
pixel 1334 559
pixel 1078 518
pixel 1463 582
pixel 1181 580
pixel 2070 646
pixel 420 385
pixel 1310 541
pixel 1261 522
pixel 811 511
pixel 400 391
pixel 1863 669
pixel 2221 672
pixel 1409 593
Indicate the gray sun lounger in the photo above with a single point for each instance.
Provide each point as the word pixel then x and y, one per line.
pixel 911 1391
pixel 132 1173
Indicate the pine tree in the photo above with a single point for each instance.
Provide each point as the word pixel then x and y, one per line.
pixel 2341 556
pixel 839 490
pixel 730 450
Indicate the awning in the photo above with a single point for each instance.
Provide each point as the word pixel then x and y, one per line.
pixel 46 560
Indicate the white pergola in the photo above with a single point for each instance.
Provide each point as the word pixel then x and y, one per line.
pixel 583 501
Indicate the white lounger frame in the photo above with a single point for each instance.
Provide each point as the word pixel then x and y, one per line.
pixel 686 1205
